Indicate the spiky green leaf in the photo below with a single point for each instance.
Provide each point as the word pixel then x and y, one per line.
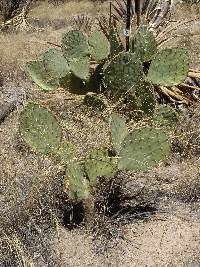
pixel 77 184
pixel 143 149
pixel 144 44
pixel 100 163
pixel 55 63
pixel 80 67
pixel 99 45
pixel 123 73
pixel 40 76
pixel 119 131
pixel 40 129
pixel 74 45
pixel 169 66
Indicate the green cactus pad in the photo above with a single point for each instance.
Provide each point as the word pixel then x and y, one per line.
pixel 55 63
pixel 99 163
pixel 67 152
pixel 144 44
pixel 39 75
pixel 75 182
pixel 145 98
pixel 123 73
pixel 99 45
pixel 80 67
pixel 40 129
pixel 74 45
pixel 143 149
pixel 119 131
pixel 166 117
pixel 115 43
pixel 169 67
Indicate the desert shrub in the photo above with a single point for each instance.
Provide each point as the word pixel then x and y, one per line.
pixel 190 2
pixel 57 2
pixel 8 7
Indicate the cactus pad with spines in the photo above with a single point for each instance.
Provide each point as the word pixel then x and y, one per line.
pixel 40 76
pixel 115 43
pixel 75 183
pixel 143 149
pixel 66 153
pixel 74 45
pixel 123 73
pixel 80 67
pixel 40 129
pixel 119 131
pixel 166 117
pixel 55 63
pixel 169 66
pixel 99 163
pixel 99 45
pixel 145 98
pixel 144 44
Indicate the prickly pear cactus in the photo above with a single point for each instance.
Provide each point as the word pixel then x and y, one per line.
pixel 100 163
pixel 99 45
pixel 166 117
pixel 55 63
pixel 40 129
pixel 75 184
pixel 144 44
pixel 143 149
pixel 115 43
pixel 169 67
pixel 80 67
pixel 74 45
pixel 119 131
pixel 39 75
pixel 123 73
pixel 66 153
pixel 143 99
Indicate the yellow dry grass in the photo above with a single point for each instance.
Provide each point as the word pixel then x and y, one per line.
pixel 49 12
pixel 186 11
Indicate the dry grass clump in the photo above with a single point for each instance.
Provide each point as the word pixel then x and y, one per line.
pixel 15 51
pixel 184 11
pixel 187 141
pixel 47 11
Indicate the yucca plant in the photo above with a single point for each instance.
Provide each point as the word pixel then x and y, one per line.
pixel 152 13
pixel 83 22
